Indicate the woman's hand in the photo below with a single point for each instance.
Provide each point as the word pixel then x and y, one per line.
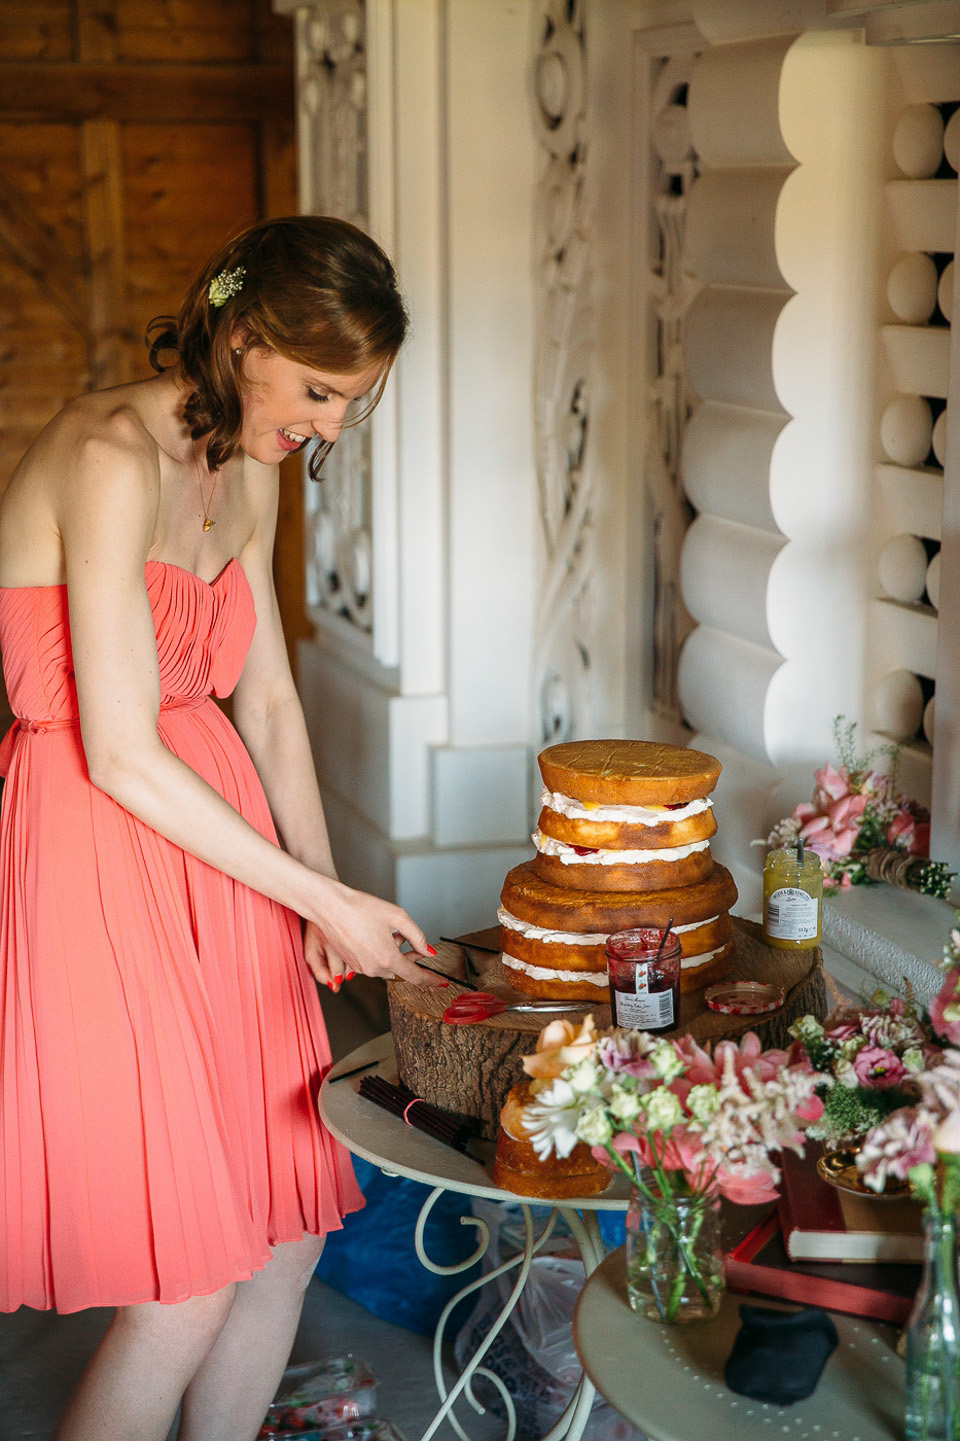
pixel 355 932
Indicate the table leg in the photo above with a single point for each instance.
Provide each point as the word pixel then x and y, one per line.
pixel 586 1233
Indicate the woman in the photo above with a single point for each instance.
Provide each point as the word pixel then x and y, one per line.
pixel 160 1035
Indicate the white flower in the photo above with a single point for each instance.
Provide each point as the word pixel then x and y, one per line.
pixel 666 1062
pixel 913 1060
pixel 663 1109
pixel 846 1075
pixel 808 1030
pixel 702 1102
pixel 583 1076
pixel 624 1105
pixel 551 1120
pixel 594 1127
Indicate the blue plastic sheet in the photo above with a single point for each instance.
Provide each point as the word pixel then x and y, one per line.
pixel 373 1260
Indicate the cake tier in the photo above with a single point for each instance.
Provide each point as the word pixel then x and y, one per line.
pixel 633 870
pixel 529 897
pixel 626 772
pixel 554 965
pixel 585 831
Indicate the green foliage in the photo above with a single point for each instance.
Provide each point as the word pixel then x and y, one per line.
pixel 856 765
pixel 850 1113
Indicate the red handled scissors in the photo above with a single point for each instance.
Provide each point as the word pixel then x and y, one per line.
pixel 472 1007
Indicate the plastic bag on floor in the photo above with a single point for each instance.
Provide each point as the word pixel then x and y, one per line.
pixel 315 1398
pixel 533 1356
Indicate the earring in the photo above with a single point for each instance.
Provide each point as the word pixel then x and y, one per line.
pixel 237 349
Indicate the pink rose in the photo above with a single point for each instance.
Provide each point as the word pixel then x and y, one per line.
pixel 878 1069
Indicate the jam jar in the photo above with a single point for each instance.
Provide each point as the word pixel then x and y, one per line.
pixel 643 967
pixel 792 894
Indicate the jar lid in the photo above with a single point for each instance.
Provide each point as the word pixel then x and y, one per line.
pixel 642 943
pixel 743 998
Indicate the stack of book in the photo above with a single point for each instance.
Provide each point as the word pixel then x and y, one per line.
pixel 828 1247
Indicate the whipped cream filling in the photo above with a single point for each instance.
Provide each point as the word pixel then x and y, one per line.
pixel 568 856
pixel 577 938
pixel 545 973
pixel 596 978
pixel 576 810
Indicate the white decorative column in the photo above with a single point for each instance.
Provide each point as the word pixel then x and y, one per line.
pixel 417 684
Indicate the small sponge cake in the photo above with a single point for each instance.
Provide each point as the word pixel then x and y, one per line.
pixel 518 1168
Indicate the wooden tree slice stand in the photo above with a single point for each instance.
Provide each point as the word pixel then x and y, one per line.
pixel 468 1070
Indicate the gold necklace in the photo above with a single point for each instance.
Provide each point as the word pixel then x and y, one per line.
pixel 208 523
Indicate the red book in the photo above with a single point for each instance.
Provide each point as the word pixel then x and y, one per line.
pixel 760 1264
pixel 820 1222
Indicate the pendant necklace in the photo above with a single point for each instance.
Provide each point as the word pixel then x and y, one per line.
pixel 208 522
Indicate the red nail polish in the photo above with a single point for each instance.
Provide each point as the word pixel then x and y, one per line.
pixel 444 983
pixel 349 976
pixel 431 950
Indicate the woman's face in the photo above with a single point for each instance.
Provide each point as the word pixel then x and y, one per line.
pixel 285 404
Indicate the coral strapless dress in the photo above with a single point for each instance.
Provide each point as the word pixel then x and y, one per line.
pixel 161 1041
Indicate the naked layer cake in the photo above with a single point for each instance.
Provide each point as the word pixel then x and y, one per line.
pixel 623 840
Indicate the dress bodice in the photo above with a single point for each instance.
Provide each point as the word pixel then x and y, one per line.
pixel 203 630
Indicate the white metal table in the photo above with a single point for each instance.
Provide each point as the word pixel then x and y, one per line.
pixel 668 1380
pixel 400 1150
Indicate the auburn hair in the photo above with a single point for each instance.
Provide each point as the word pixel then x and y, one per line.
pixel 314 288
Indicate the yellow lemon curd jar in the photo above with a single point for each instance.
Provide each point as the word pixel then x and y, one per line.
pixel 792 897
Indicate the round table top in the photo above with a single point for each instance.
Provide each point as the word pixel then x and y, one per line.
pixel 378 1136
pixel 668 1380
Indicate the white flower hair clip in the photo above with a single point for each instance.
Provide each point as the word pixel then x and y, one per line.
pixel 227 283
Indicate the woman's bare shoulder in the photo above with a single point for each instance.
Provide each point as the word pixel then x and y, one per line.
pixel 103 426
pixel 96 457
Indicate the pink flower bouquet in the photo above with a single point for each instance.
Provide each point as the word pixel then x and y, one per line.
pixel 858 813
pixel 684 1125
pixel 695 1121
pixel 870 1059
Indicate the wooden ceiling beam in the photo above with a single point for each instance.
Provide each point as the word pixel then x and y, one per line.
pixel 36 91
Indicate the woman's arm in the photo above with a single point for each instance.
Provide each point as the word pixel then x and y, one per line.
pixel 107 517
pixel 266 707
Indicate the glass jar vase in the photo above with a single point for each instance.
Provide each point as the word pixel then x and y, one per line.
pixel 933 1339
pixel 674 1255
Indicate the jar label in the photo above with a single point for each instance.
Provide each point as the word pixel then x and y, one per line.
pixel 644 1009
pixel 791 915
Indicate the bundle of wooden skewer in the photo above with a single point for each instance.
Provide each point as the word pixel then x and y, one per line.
pixel 416 1112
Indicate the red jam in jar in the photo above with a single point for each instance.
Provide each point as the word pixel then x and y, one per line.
pixel 644 985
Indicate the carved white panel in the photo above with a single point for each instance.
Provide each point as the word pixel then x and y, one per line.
pixel 565 483
pixel 332 99
pixel 671 399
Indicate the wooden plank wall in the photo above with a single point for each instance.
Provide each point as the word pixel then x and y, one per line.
pixel 135 136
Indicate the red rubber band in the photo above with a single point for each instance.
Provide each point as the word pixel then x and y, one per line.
pixel 409 1104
